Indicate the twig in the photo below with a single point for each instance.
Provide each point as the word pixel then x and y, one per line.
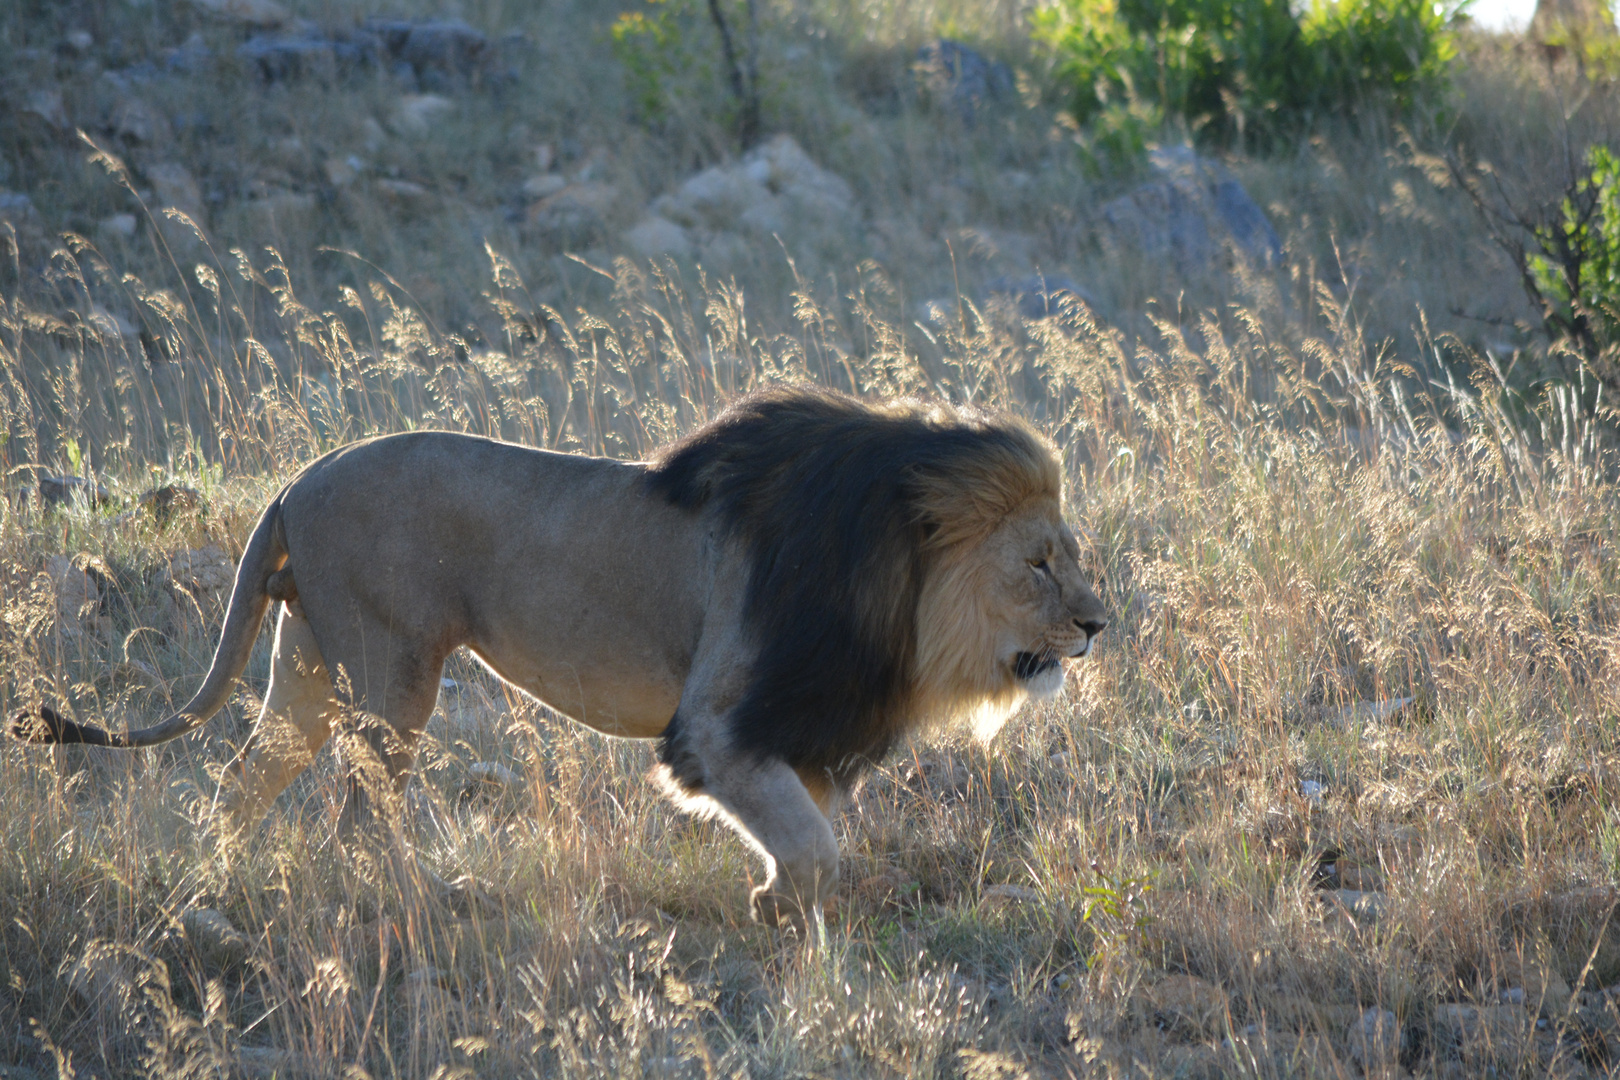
pixel 744 75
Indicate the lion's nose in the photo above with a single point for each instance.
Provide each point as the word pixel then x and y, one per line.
pixel 1092 627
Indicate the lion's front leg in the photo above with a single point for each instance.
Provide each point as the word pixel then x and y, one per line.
pixel 772 808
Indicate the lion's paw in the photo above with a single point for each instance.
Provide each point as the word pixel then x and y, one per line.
pixel 770 908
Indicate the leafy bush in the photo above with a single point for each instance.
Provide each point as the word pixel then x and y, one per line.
pixel 1230 66
pixel 656 49
pixel 1575 273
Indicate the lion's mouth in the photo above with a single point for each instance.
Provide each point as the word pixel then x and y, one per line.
pixel 1027 665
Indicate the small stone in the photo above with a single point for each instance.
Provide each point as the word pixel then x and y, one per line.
pixel 120 226
pixel 282 215
pixel 1375 1040
pixel 1312 791
pixel 447 46
pixel 134 120
pixel 279 57
pixel 175 189
pixel 342 171
pixel 417 113
pixel 488 782
pixel 1360 878
pixel 1189 1002
pixel 1000 897
pixel 653 236
pixel 1364 907
pixel 220 944
pixel 493 772
pixel 403 191
pixel 1482 1027
pixel 962 78
pixel 200 570
pixel 1534 984
pixel 1364 712
pixel 164 502
pixel 891 886
pixel 261 13
pixel 1039 296
pixel 1191 217
pixel 539 187
pixel 79 585
pixel 49 106
pixel 270 1063
pixel 109 978
pixel 428 976
pixel 57 490
pixel 79 41
pixel 576 212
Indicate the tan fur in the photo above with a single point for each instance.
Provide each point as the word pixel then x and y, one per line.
pixel 571 579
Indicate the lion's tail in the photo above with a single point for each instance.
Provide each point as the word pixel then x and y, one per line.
pixel 250 596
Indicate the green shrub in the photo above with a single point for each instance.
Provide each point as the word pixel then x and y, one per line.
pixel 1231 66
pixel 1575 274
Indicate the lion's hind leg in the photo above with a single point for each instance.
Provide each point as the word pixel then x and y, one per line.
pixel 294 723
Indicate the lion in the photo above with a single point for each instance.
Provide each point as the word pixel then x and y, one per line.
pixel 776 598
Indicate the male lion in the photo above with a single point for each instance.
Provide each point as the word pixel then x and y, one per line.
pixel 776 598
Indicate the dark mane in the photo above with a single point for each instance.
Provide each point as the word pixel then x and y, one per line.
pixel 838 503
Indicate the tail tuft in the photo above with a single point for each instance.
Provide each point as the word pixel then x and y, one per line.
pixel 48 726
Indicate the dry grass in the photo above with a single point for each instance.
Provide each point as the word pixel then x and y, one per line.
pixel 1290 518
pixel 1283 528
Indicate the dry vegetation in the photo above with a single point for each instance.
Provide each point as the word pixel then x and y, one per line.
pixel 1367 616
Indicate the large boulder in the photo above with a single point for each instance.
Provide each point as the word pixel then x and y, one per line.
pixel 774 189
pixel 962 79
pixel 433 54
pixel 1040 296
pixel 1194 217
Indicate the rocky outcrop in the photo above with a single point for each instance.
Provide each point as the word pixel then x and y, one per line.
pixel 961 79
pixel 1194 218
pixel 436 54
pixel 775 189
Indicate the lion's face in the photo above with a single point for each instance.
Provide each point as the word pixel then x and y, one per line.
pixel 1049 612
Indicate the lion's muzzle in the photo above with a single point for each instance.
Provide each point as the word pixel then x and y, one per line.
pixel 1027 665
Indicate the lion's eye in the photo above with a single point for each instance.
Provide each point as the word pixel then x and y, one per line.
pixel 1038 565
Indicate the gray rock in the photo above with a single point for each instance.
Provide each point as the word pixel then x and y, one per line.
pixel 1375 1040
pixel 279 57
pixel 136 121
pixel 439 54
pixel 220 944
pixel 436 54
pixel 447 46
pixel 261 13
pixel 962 78
pixel 1040 296
pixel 270 1063
pixel 1499 1028
pixel 774 190
pixel 1365 907
pixel 56 490
pixel 488 782
pixel 1194 217
pixel 47 105
pixel 653 236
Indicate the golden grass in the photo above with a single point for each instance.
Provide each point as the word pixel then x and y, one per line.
pixel 1282 526
pixel 1291 518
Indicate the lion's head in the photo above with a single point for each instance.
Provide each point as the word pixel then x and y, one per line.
pixel 908 563
pixel 1001 613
